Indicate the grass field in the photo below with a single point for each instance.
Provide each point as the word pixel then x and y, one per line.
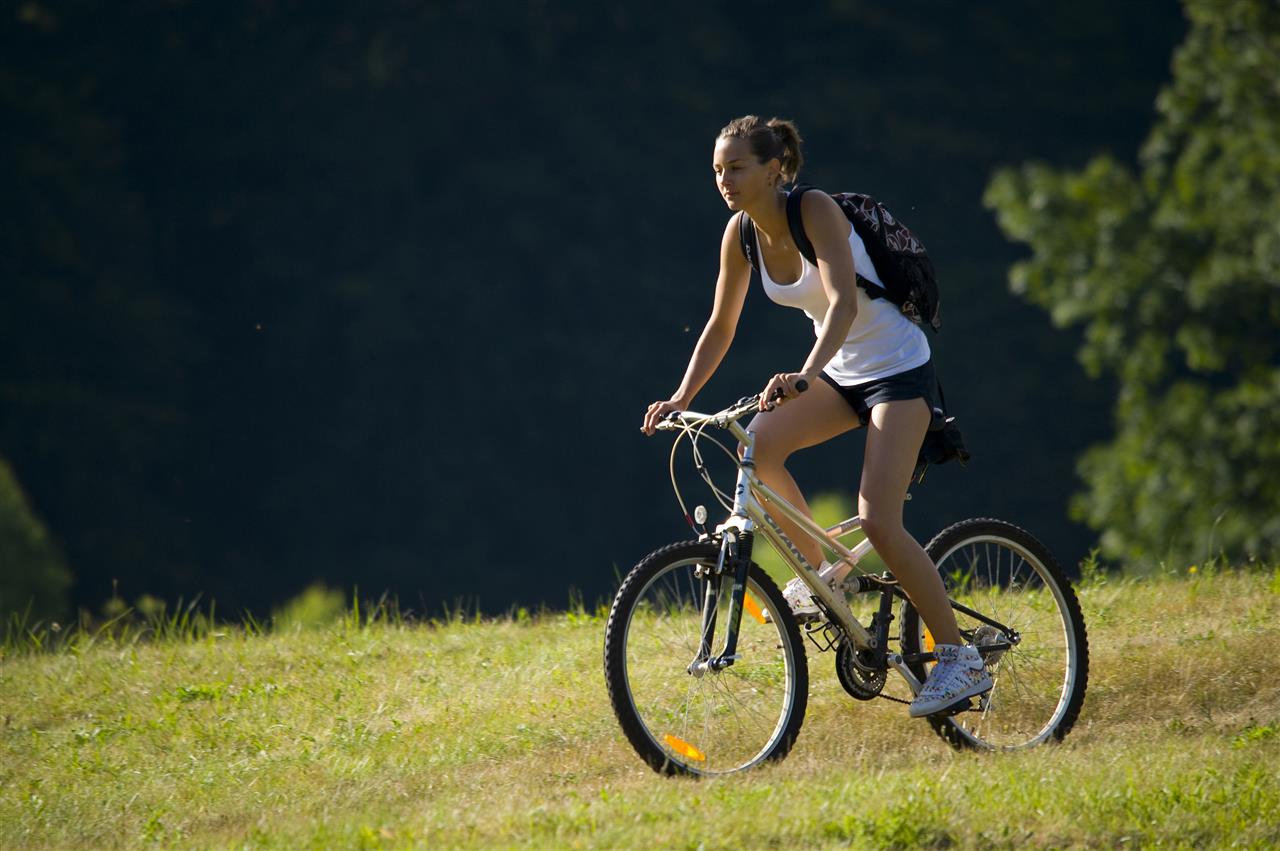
pixel 499 733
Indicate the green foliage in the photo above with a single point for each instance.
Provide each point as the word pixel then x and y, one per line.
pixel 1174 274
pixel 318 605
pixel 1092 570
pixel 117 625
pixel 1254 733
pixel 916 822
pixel 33 577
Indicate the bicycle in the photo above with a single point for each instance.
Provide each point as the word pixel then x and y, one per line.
pixel 688 710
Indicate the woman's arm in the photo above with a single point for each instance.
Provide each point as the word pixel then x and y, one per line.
pixel 731 292
pixel 828 230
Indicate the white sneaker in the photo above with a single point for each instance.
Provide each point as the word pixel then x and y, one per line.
pixel 959 675
pixel 800 599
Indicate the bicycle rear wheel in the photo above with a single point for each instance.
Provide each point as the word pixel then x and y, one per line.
pixel 704 723
pixel 1003 572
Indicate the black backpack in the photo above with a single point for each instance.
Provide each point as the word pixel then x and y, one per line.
pixel 898 255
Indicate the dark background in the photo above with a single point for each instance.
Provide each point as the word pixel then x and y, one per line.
pixel 377 294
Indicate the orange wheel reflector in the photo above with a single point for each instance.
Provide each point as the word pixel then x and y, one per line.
pixel 683 748
pixel 752 607
pixel 928 641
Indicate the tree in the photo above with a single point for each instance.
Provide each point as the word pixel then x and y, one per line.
pixel 1174 274
pixel 32 575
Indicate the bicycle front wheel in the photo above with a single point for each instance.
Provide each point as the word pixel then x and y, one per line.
pixel 1003 573
pixel 684 720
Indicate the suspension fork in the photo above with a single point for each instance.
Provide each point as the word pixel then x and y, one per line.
pixel 710 604
pixel 735 559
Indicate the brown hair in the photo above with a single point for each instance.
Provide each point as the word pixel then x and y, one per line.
pixel 776 138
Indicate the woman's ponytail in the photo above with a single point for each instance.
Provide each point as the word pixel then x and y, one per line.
pixel 776 138
pixel 789 137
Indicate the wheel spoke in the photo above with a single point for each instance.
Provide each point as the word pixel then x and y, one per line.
pixel 707 722
pixel 1038 684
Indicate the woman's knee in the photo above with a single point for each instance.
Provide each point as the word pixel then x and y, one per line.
pixel 769 451
pixel 881 529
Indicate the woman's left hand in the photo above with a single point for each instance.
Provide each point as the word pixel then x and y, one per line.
pixel 786 383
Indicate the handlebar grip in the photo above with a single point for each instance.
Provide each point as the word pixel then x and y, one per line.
pixel 779 393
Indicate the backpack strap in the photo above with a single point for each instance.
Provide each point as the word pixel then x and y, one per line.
pixel 795 222
pixel 747 239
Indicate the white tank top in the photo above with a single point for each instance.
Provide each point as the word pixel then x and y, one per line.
pixel 881 342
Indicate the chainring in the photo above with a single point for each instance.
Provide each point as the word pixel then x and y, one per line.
pixel 859 681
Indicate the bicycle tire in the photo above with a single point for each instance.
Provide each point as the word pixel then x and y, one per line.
pixel 1045 675
pixel 719 722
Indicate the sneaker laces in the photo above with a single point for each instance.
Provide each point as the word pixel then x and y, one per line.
pixel 955 670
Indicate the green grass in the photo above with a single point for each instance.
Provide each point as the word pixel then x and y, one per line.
pixel 383 734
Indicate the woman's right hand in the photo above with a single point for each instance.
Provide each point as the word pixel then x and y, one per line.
pixel 657 411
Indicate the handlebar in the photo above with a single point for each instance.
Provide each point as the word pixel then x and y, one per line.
pixel 721 419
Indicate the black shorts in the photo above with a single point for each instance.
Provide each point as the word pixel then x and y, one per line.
pixel 918 383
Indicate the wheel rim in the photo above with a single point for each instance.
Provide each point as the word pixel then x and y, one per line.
pixel 721 721
pixel 1034 680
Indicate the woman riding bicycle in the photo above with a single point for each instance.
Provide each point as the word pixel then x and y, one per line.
pixel 870 366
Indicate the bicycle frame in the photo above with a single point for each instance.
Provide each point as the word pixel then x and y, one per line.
pixel 749 517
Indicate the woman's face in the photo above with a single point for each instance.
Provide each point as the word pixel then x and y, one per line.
pixel 740 177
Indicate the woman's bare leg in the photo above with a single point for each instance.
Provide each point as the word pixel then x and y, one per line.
pixel 894 436
pixel 813 417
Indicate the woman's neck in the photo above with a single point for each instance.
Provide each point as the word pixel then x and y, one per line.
pixel 770 215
